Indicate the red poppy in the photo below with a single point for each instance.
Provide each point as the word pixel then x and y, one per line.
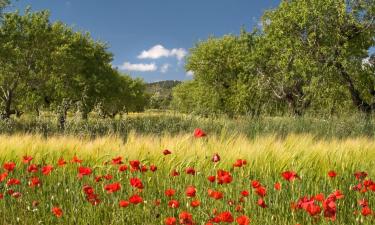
pixel 319 197
pixel 224 177
pixel 61 162
pixel 170 221
pixel 244 193
pixel 170 192
pixel 289 175
pixel 190 171
pixel 46 170
pixel 108 177
pixel 173 204
pixel 111 188
pixel 117 160
pixel 84 171
pixel 9 166
pixel 277 186
pixel 332 174
pixel 167 152
pixel 135 199
pixel 32 168
pixel 262 203
pixel 124 203
pixel 225 217
pixel 123 168
pixel 215 194
pixel 255 184
pixel 215 158
pixel 211 178
pixel 191 191
pixel 76 160
pixel 135 164
pixel 360 175
pixel 239 163
pixel 88 190
pixel 363 203
pixel 198 133
pixel 243 220
pixel 26 159
pixel 3 176
pixel 366 211
pixel 34 181
pixel 313 209
pixel 261 191
pixel 195 203
pixel 186 218
pixel 153 168
pixel 57 211
pixel 13 181
pixel 239 208
pixel 174 173
pixel 136 182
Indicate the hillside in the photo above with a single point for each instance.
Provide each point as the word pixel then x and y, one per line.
pixel 161 93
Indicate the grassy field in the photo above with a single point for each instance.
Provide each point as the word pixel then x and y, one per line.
pixel 267 157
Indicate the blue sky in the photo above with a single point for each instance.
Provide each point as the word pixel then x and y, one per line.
pixel 149 38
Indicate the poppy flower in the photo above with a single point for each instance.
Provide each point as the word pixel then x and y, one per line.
pixel 313 209
pixel 46 170
pixel 122 168
pixel 225 217
pixel 108 177
pixel 135 199
pixel 211 178
pixel 360 175
pixel 157 202
pixel 76 160
pixel 332 174
pixel 224 177
pixel 289 175
pixel 215 158
pixel 111 188
pixel 88 190
pixel 239 208
pixel 167 152
pixel 3 176
pixel 363 203
pixel 366 211
pixel 261 191
pixel 190 191
pixel 84 171
pixel 32 168
pixel 34 181
pixel 26 159
pixel 215 194
pixel 124 203
pixel 170 192
pixel 57 211
pixel 153 168
pixel 239 163
pixel 198 133
pixel 135 164
pixel 277 186
pixel 117 160
pixel 255 184
pixel 173 204
pixel 61 162
pixel 185 218
pixel 190 171
pixel 13 181
pixel 243 220
pixel 136 182
pixel 9 166
pixel 174 173
pixel 319 197
pixel 244 193
pixel 170 221
pixel 262 203
pixel 195 203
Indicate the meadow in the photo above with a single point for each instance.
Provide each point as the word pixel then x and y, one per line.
pixel 175 176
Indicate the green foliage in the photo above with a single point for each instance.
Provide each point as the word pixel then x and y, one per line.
pixel 48 66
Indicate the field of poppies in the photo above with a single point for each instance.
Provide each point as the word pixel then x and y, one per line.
pixel 194 178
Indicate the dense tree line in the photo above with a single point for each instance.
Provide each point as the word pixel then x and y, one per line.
pixel 49 66
pixel 309 55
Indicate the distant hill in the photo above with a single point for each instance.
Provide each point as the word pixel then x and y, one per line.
pixel 161 93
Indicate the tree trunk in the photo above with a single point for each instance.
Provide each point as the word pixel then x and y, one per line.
pixel 8 103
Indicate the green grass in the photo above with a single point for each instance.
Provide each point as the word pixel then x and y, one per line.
pixel 267 156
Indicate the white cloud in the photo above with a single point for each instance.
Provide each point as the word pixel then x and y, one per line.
pixel 141 67
pixel 190 73
pixel 164 68
pixel 159 51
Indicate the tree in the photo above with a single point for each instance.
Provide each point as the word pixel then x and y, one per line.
pixel 317 44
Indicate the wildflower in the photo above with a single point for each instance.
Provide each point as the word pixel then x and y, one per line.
pixel 111 188
pixel 190 191
pixel 170 221
pixel 135 199
pixel 190 171
pixel 136 182
pixel 170 192
pixel 61 162
pixel 46 170
pixel 215 158
pixel 198 133
pixel 332 174
pixel 124 203
pixel 195 203
pixel 243 220
pixel 57 211
pixel 32 168
pixel 34 181
pixel 167 152
pixel 277 186
pixel 117 160
pixel 26 159
pixel 76 160
pixel 173 204
pixel 9 166
pixel 290 175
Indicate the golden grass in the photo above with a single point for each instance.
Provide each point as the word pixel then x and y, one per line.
pixel 266 153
